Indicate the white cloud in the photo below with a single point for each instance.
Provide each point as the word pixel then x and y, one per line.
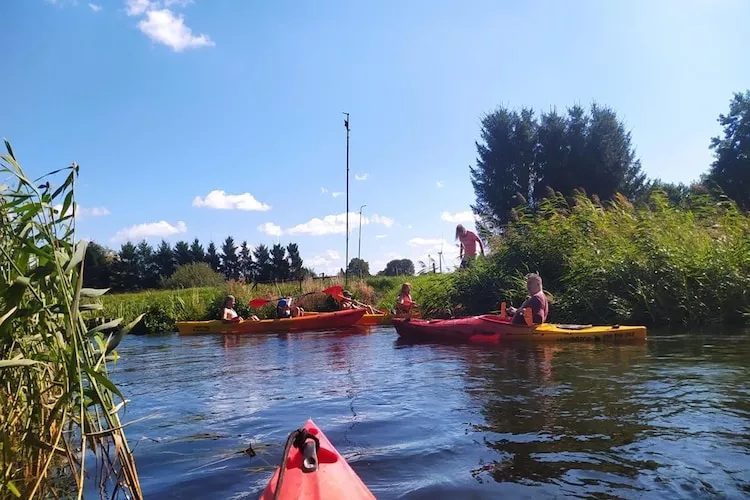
pixel 419 242
pixel 136 7
pixel 159 229
pixel 392 255
pixel 439 184
pixel 336 224
pixel 466 216
pixel 270 229
pixel 362 177
pixel 330 263
pixel 95 7
pixel 323 190
pixel 337 194
pixel 166 27
pixel 82 212
pixel 381 236
pixel 219 200
pixel 333 254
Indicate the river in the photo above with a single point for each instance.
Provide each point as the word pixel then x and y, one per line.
pixel 666 418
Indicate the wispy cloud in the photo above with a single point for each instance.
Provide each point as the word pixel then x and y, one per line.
pixel 381 236
pixel 166 27
pixel 361 177
pixel 418 242
pixel 323 190
pixel 439 184
pixel 330 262
pixel 219 200
pixel 466 216
pixel 160 229
pixel 270 229
pixel 336 224
pixel 136 7
pixel 337 194
pixel 82 212
pixel 95 7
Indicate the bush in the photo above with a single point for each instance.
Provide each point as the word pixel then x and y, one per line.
pixel 193 275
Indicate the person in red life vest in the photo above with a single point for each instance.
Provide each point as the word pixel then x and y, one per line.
pixel 537 302
pixel 468 245
pixel 404 304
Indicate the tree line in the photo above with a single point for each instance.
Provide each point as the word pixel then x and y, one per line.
pixel 140 266
pixel 523 159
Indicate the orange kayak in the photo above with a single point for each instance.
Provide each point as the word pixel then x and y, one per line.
pixel 314 470
pixel 382 318
pixel 316 321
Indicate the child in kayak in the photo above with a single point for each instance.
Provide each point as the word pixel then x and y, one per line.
pixel 468 240
pixel 284 309
pixel 229 314
pixel 348 302
pixel 404 304
pixel 537 302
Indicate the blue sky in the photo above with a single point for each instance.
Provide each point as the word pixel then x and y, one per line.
pixel 176 108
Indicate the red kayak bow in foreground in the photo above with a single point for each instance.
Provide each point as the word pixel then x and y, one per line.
pixel 312 468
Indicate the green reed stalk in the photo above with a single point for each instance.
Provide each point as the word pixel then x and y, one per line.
pixel 57 403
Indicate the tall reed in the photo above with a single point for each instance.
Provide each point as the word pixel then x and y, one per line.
pixel 59 417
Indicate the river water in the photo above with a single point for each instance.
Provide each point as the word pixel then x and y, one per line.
pixel 666 418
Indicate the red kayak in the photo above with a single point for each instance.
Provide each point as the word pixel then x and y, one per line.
pixel 313 469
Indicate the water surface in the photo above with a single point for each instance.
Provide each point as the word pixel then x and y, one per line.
pixel 667 418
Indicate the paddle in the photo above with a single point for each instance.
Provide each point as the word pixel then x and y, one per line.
pixel 334 290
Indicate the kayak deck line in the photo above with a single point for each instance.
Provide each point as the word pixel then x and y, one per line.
pixel 312 468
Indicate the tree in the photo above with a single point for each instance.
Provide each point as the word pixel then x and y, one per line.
pixel 245 262
pixel 196 250
pixel 125 272
pixel 295 261
pixel 398 267
pixel 229 259
pixel 182 253
pixel 212 257
pixel 195 274
pixel 731 167
pixel 97 266
pixel 148 273
pixel 358 267
pixel 262 263
pixel 164 260
pixel 521 160
pixel 279 263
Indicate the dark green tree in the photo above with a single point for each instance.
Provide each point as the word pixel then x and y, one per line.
pixel 245 262
pixel 295 261
pixel 358 267
pixel 148 272
pixel 126 275
pixel 398 267
pixel 212 257
pixel 262 263
pixel 731 168
pixel 553 165
pixel 182 253
pixel 279 263
pixel 229 259
pixel 164 260
pixel 196 250
pixel 97 266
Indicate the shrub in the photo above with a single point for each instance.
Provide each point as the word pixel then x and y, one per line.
pixel 193 275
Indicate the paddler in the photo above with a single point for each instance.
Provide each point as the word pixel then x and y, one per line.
pixel 404 304
pixel 537 302
pixel 229 314
pixel 284 309
pixel 468 245
pixel 348 302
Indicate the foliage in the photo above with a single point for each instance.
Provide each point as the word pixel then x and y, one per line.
pixel 358 267
pixel 522 158
pixel 60 424
pixel 230 264
pixel 398 267
pixel 731 169
pixel 194 275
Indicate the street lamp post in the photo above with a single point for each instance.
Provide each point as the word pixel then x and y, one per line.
pixel 346 263
pixel 359 246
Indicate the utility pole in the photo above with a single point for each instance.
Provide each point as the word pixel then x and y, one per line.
pixel 346 264
pixel 359 246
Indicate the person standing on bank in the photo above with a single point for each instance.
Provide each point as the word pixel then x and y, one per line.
pixel 469 242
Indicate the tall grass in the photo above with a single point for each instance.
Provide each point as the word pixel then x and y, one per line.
pixel 59 416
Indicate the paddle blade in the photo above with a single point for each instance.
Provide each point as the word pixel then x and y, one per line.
pixel 335 290
pixel 258 302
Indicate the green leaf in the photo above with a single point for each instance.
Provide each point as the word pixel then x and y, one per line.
pixel 90 307
pixel 80 251
pixel 66 204
pixel 14 363
pixel 103 380
pixel 106 326
pixel 93 292
pixel 10 150
pixel 11 485
pixel 115 341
